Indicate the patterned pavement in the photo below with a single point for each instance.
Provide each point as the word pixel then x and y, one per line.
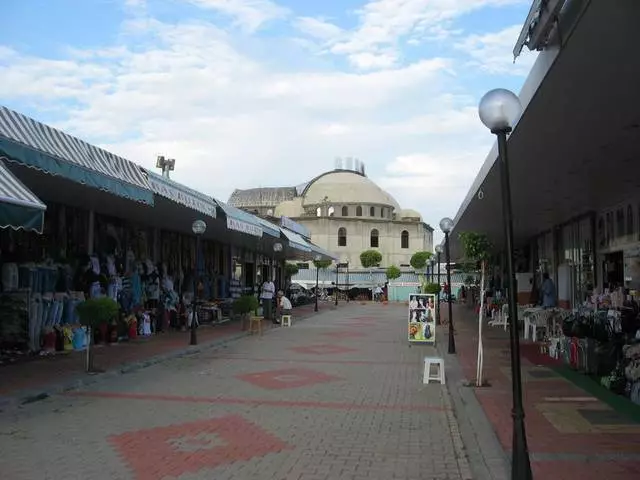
pixel 570 433
pixel 336 397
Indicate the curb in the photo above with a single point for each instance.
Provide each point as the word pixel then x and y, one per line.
pixel 24 398
pixel 456 437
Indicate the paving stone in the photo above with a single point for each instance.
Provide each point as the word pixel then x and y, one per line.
pixel 366 414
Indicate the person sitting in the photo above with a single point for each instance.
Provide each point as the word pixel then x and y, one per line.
pixel 284 305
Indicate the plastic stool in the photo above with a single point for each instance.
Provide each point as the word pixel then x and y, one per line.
pixel 285 320
pixel 439 375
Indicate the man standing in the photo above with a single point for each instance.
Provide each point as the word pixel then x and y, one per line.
pixel 548 290
pixel 268 289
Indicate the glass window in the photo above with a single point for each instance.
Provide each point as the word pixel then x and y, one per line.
pixel 374 238
pixel 372 211
pixel 404 239
pixel 345 211
pixel 342 237
pixel 358 211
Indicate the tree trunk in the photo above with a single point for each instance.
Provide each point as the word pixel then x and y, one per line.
pixel 480 360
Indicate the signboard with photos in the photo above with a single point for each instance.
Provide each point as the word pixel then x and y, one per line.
pixel 422 318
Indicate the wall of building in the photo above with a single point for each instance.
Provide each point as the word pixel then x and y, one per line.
pixel 324 233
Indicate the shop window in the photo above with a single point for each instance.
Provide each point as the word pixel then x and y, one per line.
pixel 404 239
pixel 620 230
pixel 358 211
pixel 372 211
pixel 602 239
pixel 345 211
pixel 342 237
pixel 629 220
pixel 374 238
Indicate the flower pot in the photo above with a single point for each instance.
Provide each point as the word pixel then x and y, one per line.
pixel 102 333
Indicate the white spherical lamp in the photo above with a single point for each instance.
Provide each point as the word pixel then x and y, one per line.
pixel 499 109
pixel 446 225
pixel 198 227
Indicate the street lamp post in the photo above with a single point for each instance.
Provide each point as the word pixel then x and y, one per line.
pixel 336 292
pixel 498 110
pixel 198 227
pixel 446 225
pixel 438 252
pixel 317 259
pixel 432 263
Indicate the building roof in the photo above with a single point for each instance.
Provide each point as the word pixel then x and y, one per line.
pixel 261 197
pixel 346 187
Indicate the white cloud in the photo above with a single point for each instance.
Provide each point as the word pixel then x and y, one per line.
pixel 232 120
pixel 248 14
pixel 384 24
pixel 493 52
pixel 317 28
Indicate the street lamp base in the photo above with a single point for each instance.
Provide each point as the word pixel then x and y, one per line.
pixel 452 343
pixel 520 463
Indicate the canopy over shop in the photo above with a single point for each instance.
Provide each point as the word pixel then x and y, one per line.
pixel 116 229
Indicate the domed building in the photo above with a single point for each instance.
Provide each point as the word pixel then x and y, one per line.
pixel 345 213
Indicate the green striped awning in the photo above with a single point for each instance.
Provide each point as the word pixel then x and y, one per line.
pixel 19 207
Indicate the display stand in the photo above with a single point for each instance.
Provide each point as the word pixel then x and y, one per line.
pixel 422 319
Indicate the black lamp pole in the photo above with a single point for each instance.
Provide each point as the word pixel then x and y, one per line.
pixel 452 340
pixel 317 292
pixel 438 302
pixel 194 303
pixel 337 284
pixel 520 463
pixel 348 286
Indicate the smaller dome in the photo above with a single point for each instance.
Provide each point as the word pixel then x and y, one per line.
pixel 409 214
pixel 289 208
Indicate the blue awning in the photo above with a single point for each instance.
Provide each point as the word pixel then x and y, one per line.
pixel 19 207
pixel 323 252
pixel 295 240
pixel 36 145
pixel 181 194
pixel 241 221
pixel 269 228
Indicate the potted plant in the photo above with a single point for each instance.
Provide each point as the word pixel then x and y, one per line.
pixel 370 259
pixel 432 288
pixel 94 313
pixel 393 273
pixel 243 306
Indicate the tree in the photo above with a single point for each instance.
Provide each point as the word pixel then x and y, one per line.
pixel 477 249
pixel 419 260
pixel 290 269
pixel 321 264
pixel 370 258
pixel 393 272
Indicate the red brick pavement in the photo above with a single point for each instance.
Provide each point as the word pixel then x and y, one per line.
pixel 557 435
pixel 40 373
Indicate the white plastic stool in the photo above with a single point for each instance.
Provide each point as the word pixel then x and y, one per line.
pixel 439 375
pixel 285 321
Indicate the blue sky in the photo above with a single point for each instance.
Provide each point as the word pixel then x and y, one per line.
pixel 246 93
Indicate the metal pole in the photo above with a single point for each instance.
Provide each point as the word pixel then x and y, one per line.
pixel 438 302
pixel 317 292
pixel 194 303
pixel 452 340
pixel 348 289
pixel 336 285
pixel 520 463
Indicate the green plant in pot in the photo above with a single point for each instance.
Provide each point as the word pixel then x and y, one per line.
pixel 95 313
pixel 244 306
pixel 431 288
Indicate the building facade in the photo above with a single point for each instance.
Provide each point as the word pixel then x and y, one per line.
pixel 346 213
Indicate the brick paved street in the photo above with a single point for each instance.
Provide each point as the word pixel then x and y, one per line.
pixel 338 396
pixel 571 434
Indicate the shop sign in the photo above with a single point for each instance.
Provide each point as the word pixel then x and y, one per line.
pixel 243 227
pixel 185 198
pixel 303 266
pixel 286 222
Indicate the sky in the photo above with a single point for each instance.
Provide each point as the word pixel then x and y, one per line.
pixel 251 93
